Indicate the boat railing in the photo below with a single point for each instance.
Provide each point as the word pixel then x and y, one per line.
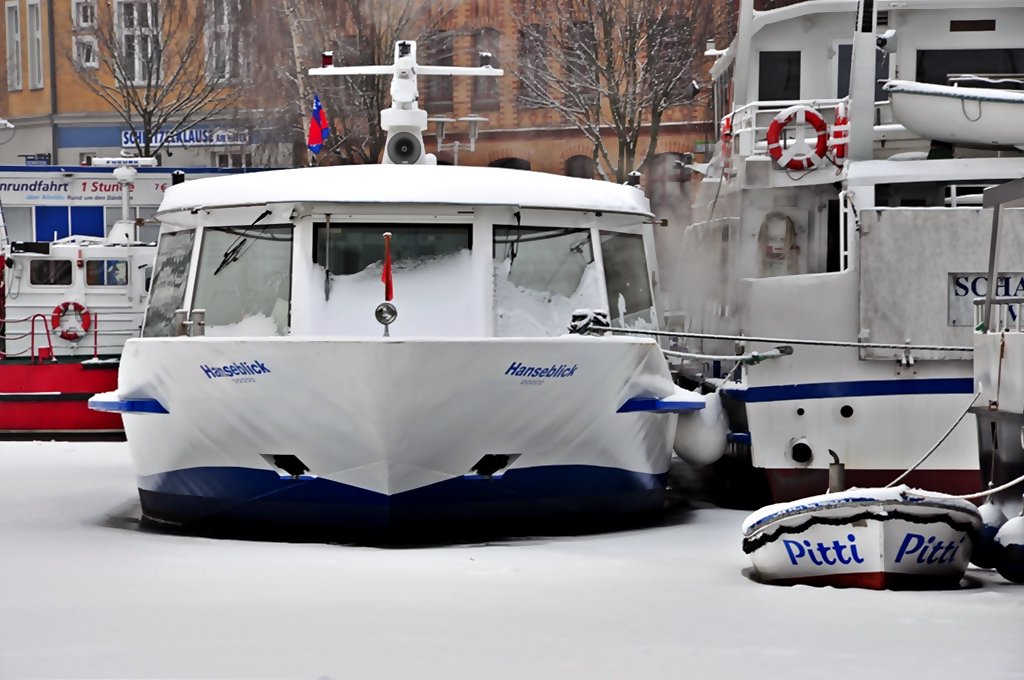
pixel 32 336
pixel 1006 314
pixel 750 123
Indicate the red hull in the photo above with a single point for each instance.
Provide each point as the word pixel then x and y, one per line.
pixel 53 398
pixel 878 580
pixel 790 485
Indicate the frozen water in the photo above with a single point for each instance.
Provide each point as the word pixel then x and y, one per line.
pixel 85 595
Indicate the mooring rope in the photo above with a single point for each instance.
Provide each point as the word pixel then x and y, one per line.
pixel 937 444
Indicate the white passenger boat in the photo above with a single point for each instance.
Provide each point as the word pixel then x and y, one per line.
pixel 881 538
pixel 825 224
pixel 67 307
pixel 266 391
pixel 972 116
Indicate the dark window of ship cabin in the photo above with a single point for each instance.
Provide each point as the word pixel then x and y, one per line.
pixel 844 61
pixel 355 247
pixel 106 272
pixel 946 67
pixel 778 76
pixel 50 272
pixel 966 25
pixel 833 252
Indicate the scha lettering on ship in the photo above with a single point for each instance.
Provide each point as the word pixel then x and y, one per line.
pixel 522 371
pixel 235 369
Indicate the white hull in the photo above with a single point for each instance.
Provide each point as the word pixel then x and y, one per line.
pixel 393 429
pixel 867 538
pixel 958 115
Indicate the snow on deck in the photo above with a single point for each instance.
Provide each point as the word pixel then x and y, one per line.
pixel 86 595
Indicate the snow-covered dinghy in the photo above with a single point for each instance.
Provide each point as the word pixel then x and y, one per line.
pixel 879 538
pixel 970 116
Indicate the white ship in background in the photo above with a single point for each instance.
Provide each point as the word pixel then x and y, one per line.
pixel 827 217
pixel 262 391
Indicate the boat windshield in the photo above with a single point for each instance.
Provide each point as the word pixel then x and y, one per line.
pixel 250 297
pixel 541 276
pixel 434 286
pixel 167 288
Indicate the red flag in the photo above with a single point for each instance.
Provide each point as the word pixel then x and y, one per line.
pixel 385 276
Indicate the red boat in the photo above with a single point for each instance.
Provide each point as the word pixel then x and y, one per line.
pixel 66 309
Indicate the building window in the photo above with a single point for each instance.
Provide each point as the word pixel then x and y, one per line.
pixel 779 76
pixel 50 272
pixel 35 46
pixel 86 52
pixel 580 166
pixel 486 90
pixel 13 46
pixel 232 160
pixel 580 65
pixel 533 63
pixel 437 90
pixel 83 13
pixel 225 52
pixel 136 24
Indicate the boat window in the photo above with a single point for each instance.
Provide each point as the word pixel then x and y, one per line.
pixel 252 296
pixel 356 246
pixel 627 280
pixel 541 276
pixel 1000 69
pixel 50 272
pixel 167 289
pixel 106 272
pixel 778 76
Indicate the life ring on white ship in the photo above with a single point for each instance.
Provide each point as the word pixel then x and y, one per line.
pixel 727 142
pixel 799 155
pixel 58 315
pixel 840 132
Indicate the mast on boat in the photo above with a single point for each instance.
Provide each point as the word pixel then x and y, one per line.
pixel 405 121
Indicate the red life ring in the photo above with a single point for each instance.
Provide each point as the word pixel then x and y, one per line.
pixel 840 132
pixel 799 155
pixel 727 141
pixel 80 310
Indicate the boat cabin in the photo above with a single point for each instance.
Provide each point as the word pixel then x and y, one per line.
pixel 475 252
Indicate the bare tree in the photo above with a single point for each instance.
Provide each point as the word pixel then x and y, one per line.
pixel 611 68
pixel 294 35
pixel 160 64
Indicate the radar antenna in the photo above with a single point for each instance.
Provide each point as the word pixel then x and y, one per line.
pixel 405 121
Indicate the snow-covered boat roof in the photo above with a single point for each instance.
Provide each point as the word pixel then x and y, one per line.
pixel 407 184
pixel 963 170
pixel 981 94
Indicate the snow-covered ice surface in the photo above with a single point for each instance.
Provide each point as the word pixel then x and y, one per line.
pixel 84 595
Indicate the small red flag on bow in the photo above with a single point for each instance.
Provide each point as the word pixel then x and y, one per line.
pixel 389 291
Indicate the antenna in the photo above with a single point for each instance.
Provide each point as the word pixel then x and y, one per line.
pixel 405 121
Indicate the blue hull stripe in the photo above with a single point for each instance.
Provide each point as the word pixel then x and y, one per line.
pixel 246 495
pixel 655 405
pixel 859 388
pixel 142 405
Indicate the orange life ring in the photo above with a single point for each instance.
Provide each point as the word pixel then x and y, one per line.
pixel 840 132
pixel 799 155
pixel 58 315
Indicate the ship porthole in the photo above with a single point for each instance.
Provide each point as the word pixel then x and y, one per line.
pixel 846 411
